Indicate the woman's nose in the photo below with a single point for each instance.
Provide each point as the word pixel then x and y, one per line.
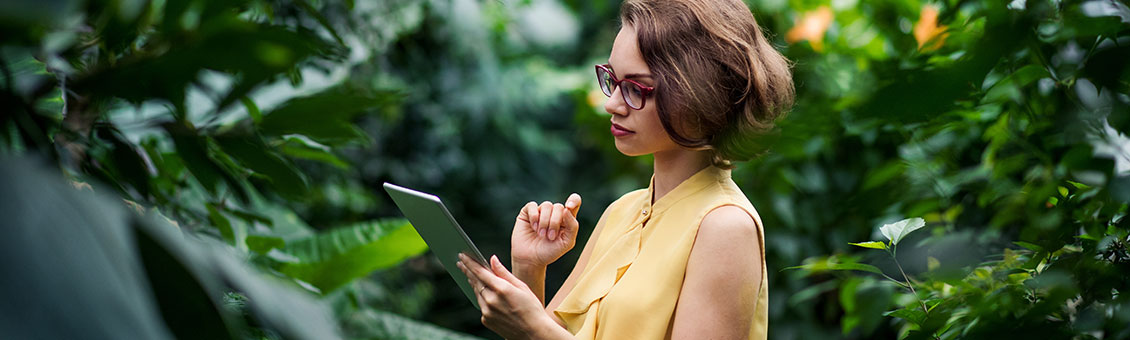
pixel 615 103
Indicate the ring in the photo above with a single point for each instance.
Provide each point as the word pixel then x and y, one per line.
pixel 483 289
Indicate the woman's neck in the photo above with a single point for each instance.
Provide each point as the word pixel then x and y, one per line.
pixel 675 166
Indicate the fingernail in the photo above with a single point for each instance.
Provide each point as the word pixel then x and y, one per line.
pixel 552 234
pixel 541 232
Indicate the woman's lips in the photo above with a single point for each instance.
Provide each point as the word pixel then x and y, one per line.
pixel 620 131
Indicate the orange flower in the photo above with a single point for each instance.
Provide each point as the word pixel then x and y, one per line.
pixel 927 32
pixel 811 27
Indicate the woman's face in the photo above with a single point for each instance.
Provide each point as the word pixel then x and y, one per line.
pixel 637 132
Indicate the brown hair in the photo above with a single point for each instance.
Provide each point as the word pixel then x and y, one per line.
pixel 720 82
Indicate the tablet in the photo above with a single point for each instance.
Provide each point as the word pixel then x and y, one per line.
pixel 440 231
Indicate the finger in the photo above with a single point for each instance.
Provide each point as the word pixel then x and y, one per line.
pixel 529 214
pixel 545 214
pixel 475 286
pixel 476 270
pixel 484 307
pixel 569 226
pixel 485 277
pixel 555 221
pixel 573 203
pixel 501 271
pixel 471 278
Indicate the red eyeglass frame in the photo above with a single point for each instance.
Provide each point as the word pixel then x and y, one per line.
pixel 644 89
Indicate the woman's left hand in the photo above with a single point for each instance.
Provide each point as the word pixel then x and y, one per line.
pixel 509 307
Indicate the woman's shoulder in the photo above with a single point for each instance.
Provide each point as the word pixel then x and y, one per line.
pixel 728 212
pixel 729 220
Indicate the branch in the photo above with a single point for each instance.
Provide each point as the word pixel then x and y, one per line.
pixel 912 291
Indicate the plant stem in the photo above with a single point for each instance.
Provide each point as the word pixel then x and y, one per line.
pixel 912 291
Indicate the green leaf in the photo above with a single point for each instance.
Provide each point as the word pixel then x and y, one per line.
pixel 871 244
pixel 299 146
pixel 305 5
pixel 374 324
pixel 252 109
pixel 252 152
pixel 249 217
pixel 895 232
pixel 263 243
pixel 192 149
pixel 222 223
pixel 1009 87
pixel 825 266
pixel 335 257
pixel 325 117
pixel 127 163
pixel 913 315
pixel 160 282
pixel 275 305
pixel 72 255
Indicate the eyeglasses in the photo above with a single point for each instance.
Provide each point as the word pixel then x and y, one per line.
pixel 634 93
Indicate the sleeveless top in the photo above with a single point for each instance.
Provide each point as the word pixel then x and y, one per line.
pixel 630 286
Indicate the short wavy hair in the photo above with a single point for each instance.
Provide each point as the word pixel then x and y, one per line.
pixel 720 82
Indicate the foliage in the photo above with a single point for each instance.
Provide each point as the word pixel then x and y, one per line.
pixel 175 106
pixel 1007 135
pixel 336 257
pixel 96 269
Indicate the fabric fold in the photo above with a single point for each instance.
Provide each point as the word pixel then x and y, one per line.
pixel 596 283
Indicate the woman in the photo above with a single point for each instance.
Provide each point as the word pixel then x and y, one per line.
pixel 689 82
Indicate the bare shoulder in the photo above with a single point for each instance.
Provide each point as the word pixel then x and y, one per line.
pixel 723 277
pixel 728 224
pixel 727 241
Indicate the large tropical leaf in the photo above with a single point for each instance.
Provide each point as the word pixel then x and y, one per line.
pixel 374 324
pixel 93 270
pixel 333 258
pixel 72 272
pixel 325 117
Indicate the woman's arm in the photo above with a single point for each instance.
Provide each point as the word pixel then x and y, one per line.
pixel 541 235
pixel 719 293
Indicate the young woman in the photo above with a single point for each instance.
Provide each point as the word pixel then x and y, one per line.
pixel 689 82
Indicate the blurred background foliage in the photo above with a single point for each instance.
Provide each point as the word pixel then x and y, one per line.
pixel 262 129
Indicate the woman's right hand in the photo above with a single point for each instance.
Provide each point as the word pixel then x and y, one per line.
pixel 542 233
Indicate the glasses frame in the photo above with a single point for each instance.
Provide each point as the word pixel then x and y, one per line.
pixel 644 89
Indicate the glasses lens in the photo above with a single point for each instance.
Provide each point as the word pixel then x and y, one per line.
pixel 605 80
pixel 633 94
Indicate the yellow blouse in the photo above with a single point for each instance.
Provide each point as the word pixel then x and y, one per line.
pixel 631 284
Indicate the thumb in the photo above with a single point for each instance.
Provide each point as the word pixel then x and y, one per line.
pixel 500 270
pixel 573 203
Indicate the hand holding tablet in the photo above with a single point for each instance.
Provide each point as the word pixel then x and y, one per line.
pixel 542 234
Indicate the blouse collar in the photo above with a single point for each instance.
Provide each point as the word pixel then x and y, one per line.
pixel 697 182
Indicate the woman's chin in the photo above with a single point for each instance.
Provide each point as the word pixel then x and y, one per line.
pixel 629 150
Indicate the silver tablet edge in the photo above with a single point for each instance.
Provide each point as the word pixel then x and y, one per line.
pixel 478 256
